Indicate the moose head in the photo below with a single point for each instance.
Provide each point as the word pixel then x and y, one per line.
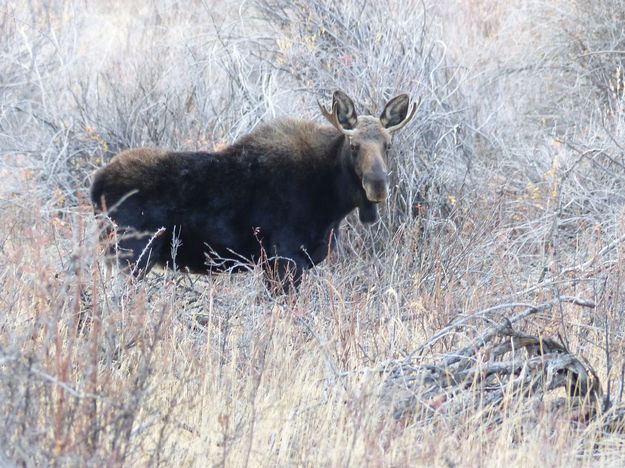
pixel 367 141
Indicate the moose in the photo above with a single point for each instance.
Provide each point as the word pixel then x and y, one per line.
pixel 275 197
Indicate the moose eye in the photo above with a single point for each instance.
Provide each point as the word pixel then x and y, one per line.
pixel 354 147
pixel 387 146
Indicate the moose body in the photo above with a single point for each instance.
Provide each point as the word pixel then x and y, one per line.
pixel 276 196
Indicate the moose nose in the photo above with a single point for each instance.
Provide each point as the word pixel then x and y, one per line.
pixel 376 186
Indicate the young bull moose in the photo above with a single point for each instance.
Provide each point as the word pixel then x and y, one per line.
pixel 276 196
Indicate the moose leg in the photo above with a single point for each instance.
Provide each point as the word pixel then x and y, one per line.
pixel 282 276
pixel 138 254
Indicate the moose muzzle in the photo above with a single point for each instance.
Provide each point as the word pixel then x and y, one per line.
pixel 376 186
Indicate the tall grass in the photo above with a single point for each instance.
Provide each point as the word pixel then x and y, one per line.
pixel 508 190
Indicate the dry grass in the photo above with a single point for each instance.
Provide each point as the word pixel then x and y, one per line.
pixel 509 193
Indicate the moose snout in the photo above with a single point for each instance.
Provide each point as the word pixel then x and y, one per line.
pixel 376 186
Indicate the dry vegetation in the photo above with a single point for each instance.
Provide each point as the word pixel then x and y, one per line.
pixel 448 334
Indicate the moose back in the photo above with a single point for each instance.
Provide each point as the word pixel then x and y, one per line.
pixel 275 197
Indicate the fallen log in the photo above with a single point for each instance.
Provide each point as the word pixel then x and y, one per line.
pixel 500 365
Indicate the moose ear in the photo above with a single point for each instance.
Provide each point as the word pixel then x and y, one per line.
pixel 395 114
pixel 345 111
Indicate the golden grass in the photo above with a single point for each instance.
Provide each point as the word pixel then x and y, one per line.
pixel 222 375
